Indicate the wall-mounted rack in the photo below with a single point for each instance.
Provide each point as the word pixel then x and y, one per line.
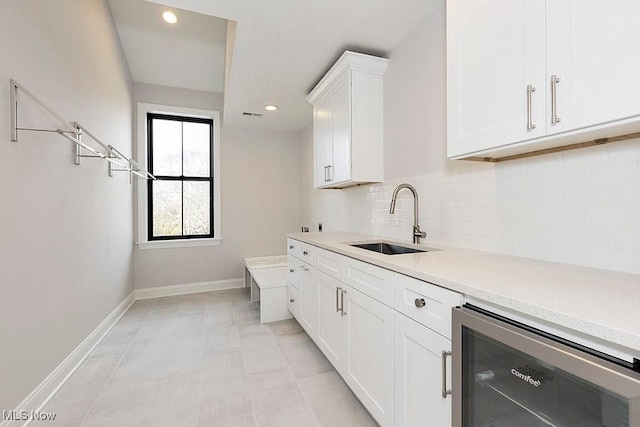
pixel 117 161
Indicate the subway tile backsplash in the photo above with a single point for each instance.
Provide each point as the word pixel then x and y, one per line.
pixel 579 207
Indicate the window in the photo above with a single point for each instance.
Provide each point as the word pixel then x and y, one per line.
pixel 181 207
pixel 180 152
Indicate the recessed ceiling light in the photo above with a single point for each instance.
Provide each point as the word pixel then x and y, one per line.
pixel 271 107
pixel 170 17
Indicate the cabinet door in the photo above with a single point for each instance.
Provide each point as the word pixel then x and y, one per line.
pixel 294 275
pixel 370 358
pixel 293 300
pixel 418 375
pixel 592 47
pixel 495 49
pixel 341 128
pixel 323 140
pixel 332 326
pixel 309 301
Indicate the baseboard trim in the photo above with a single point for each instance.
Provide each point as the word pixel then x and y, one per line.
pixel 41 395
pixel 188 288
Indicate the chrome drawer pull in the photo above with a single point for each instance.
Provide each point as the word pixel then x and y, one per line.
pixel 337 296
pixel 420 302
pixel 530 124
pixel 554 100
pixel 445 392
pixel 291 270
pixel 342 312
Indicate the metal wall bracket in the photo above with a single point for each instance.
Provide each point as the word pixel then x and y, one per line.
pixel 74 133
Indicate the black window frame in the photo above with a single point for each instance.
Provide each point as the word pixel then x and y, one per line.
pixel 181 178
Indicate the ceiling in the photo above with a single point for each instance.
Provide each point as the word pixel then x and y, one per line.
pixel 188 54
pixel 276 50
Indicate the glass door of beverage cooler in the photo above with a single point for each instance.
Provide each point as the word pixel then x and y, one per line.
pixel 505 376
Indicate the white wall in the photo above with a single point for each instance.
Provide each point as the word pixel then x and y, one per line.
pixel 260 173
pixel 65 230
pixel 580 207
pixel 318 206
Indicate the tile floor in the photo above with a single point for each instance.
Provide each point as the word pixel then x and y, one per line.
pixel 205 360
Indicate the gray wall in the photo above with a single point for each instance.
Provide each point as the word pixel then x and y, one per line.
pixel 260 187
pixel 415 119
pixel 65 230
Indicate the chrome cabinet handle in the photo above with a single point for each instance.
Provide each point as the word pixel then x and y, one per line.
pixel 304 253
pixel 291 247
pixel 420 302
pixel 337 294
pixel 530 124
pixel 292 300
pixel 291 270
pixel 326 173
pixel 342 312
pixel 554 100
pixel 445 392
pixel 330 173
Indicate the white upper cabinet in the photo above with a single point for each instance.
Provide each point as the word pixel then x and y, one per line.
pixel 592 46
pixel 348 122
pixel 526 75
pixel 495 53
pixel 322 131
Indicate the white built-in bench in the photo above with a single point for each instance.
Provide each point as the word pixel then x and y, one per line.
pixel 267 277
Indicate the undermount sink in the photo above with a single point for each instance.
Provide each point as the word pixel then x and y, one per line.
pixel 387 248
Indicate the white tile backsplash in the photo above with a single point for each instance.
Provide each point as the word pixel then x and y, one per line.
pixel 579 207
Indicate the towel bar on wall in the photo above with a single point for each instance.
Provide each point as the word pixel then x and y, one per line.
pixel 118 162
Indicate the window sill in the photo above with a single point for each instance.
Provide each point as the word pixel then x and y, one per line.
pixel 186 243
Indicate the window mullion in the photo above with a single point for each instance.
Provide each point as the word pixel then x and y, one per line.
pixel 182 171
pixel 150 182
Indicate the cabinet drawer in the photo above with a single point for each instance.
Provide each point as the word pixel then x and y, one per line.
pixel 293 300
pixel 373 281
pixel 294 247
pixel 409 294
pixel 308 253
pixel 294 275
pixel 330 263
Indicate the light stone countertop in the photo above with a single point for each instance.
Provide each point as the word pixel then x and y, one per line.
pixel 600 303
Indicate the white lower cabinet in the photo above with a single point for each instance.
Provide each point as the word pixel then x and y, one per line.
pixel 293 301
pixel 332 325
pixel 370 361
pixel 418 375
pixel 309 301
pixel 355 332
pixel 392 363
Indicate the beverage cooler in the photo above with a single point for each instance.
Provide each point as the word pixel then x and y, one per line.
pixel 506 374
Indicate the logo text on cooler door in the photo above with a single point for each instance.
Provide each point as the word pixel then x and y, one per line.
pixel 526 378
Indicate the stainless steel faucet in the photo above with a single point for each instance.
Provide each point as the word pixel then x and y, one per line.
pixel 417 233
